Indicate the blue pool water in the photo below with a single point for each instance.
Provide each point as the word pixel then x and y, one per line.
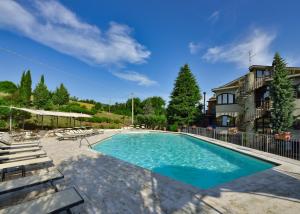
pixel 182 158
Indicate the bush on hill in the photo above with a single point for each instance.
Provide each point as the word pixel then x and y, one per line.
pixel 8 87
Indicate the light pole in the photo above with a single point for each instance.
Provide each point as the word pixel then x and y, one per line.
pixel 204 96
pixel 132 109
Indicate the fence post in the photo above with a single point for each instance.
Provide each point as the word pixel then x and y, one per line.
pixel 242 139
pixel 267 143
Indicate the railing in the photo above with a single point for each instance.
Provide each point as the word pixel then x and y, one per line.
pixel 251 116
pixel 267 143
pixel 259 82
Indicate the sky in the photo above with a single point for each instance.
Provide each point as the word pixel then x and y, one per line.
pixel 106 50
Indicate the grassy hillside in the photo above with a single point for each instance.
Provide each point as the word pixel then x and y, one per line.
pixel 88 106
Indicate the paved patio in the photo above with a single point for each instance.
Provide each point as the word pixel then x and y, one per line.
pixel 110 185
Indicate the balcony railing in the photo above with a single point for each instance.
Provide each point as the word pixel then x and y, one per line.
pixel 258 82
pixel 268 143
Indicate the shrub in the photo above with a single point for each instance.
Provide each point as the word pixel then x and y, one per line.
pixel 173 127
pixel 152 121
pixel 8 87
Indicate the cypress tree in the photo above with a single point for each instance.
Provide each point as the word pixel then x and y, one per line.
pixel 183 107
pixel 25 88
pixel 61 95
pixel 41 94
pixel 282 96
pixel 28 85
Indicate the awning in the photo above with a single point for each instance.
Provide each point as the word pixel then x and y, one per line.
pixel 232 114
pixel 53 113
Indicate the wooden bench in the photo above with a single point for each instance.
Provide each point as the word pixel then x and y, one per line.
pixel 53 203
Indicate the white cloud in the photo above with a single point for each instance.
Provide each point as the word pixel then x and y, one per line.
pixel 258 43
pixel 135 77
pixel 194 47
pixel 214 17
pixel 51 24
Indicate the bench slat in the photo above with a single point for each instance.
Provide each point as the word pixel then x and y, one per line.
pixel 25 182
pixel 13 151
pixel 25 163
pixel 22 155
pixel 48 204
pixel 19 146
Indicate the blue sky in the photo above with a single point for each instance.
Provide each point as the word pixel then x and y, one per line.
pixel 104 50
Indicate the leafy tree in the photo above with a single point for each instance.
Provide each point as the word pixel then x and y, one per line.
pixel 41 94
pixel 154 105
pixel 183 107
pixel 147 107
pixel 61 96
pixel 281 91
pixel 8 87
pixel 25 89
pixel 137 106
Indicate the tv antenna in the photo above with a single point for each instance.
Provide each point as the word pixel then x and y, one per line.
pixel 251 55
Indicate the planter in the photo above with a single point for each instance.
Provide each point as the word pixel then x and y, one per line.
pixel 209 128
pixel 283 136
pixel 232 131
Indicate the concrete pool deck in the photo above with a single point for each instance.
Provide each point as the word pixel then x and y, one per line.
pixel 109 185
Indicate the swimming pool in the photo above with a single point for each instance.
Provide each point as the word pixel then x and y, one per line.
pixel 181 157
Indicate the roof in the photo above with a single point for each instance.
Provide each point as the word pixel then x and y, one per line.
pixel 231 84
pixel 294 71
pixel 53 113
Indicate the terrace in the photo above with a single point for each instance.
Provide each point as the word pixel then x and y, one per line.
pixel 111 185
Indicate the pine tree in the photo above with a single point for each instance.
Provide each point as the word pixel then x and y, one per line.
pixel 61 96
pixel 281 89
pixel 185 98
pixel 41 94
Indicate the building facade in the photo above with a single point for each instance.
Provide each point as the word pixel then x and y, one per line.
pixel 245 102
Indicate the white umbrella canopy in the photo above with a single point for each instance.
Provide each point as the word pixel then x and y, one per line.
pixel 47 113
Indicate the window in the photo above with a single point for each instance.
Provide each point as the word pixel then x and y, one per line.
pixel 261 73
pixel 226 121
pixel 225 99
pixel 219 99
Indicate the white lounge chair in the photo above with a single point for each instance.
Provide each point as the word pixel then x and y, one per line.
pixel 66 137
pixel 53 203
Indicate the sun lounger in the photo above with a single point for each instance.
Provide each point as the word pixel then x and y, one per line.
pixel 14 151
pixel 26 182
pixel 4 167
pixel 66 137
pixel 11 157
pixel 53 203
pixel 25 142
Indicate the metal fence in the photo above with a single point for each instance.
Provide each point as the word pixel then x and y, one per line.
pixel 262 142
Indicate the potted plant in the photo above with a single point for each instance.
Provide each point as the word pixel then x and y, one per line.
pixel 283 136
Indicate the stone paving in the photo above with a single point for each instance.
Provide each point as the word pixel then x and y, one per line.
pixel 109 185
